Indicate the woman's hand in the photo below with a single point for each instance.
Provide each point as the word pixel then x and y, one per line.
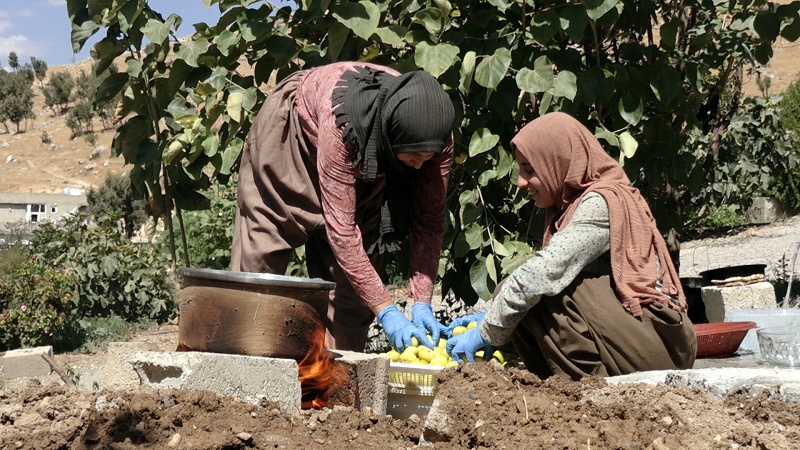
pixel 467 344
pixel 399 329
pixel 463 322
pixel 422 316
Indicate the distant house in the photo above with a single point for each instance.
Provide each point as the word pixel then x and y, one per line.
pixel 32 209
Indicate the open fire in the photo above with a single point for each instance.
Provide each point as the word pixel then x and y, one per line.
pixel 315 371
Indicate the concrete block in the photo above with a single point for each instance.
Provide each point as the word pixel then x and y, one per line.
pixel 765 210
pixel 251 378
pixel 118 372
pixel 26 362
pixel 720 300
pixel 370 372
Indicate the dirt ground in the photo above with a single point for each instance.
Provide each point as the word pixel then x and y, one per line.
pixel 490 408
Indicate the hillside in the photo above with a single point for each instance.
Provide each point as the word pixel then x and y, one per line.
pixel 28 165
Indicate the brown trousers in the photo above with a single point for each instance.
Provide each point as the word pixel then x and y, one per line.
pixel 278 210
pixel 585 331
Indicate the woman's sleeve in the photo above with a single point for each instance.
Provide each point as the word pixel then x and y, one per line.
pixel 338 198
pixel 430 197
pixel 550 270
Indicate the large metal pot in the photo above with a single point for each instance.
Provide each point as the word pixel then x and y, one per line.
pixel 251 313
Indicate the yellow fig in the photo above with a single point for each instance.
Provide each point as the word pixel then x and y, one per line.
pixel 459 330
pixel 425 354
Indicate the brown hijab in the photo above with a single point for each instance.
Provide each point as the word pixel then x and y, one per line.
pixel 571 163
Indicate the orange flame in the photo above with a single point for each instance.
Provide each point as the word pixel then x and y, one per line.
pixel 315 372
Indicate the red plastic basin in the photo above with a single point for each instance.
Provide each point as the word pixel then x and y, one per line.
pixel 719 339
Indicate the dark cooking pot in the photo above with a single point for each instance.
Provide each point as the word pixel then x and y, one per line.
pixel 252 314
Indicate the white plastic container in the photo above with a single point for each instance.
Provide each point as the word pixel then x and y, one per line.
pixel 773 317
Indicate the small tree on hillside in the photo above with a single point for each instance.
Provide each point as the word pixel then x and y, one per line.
pixel 39 69
pixel 16 98
pixel 13 61
pixel 59 92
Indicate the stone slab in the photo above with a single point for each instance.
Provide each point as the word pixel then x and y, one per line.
pixel 722 382
pixel 719 301
pixel 250 378
pixel 26 362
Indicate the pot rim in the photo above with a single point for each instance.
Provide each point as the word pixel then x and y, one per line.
pixel 260 279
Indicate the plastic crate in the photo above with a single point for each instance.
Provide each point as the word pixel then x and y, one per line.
pixel 411 389
pixel 413 379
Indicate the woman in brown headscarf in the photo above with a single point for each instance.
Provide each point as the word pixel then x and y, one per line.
pixel 602 296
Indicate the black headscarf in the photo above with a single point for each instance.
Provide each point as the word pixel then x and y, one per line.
pixel 384 115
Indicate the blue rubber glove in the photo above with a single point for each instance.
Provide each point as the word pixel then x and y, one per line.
pixel 463 322
pixel 467 344
pixel 422 316
pixel 399 329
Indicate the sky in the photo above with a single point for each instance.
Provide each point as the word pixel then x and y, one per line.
pixel 41 28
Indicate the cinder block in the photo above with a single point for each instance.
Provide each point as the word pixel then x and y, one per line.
pixel 721 300
pixel 26 362
pixel 765 210
pixel 363 380
pixel 251 378
pixel 118 372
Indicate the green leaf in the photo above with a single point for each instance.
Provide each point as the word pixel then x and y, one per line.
pixel 190 52
pixel 392 35
pixel 435 59
pixel 110 87
pixel 565 85
pixel 337 37
pixel 535 81
pixel 134 68
pixel 231 155
pixel 486 177
pixel 665 84
pixel 225 41
pixel 108 48
pixel 234 105
pixel 573 21
pixel 791 32
pixel 156 31
pixel 431 19
pixel 493 68
pixel 543 26
pixel 603 134
pixel 466 71
pixel 767 25
pixel 482 140
pixel 631 107
pixel 210 145
pixel 173 149
pixel 596 9
pixel 362 17
pixel 81 33
pixel 763 53
pixel 256 24
pixel 478 277
pixel 669 33
pixel 628 144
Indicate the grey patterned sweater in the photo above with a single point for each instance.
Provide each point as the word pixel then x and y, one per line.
pixel 571 250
